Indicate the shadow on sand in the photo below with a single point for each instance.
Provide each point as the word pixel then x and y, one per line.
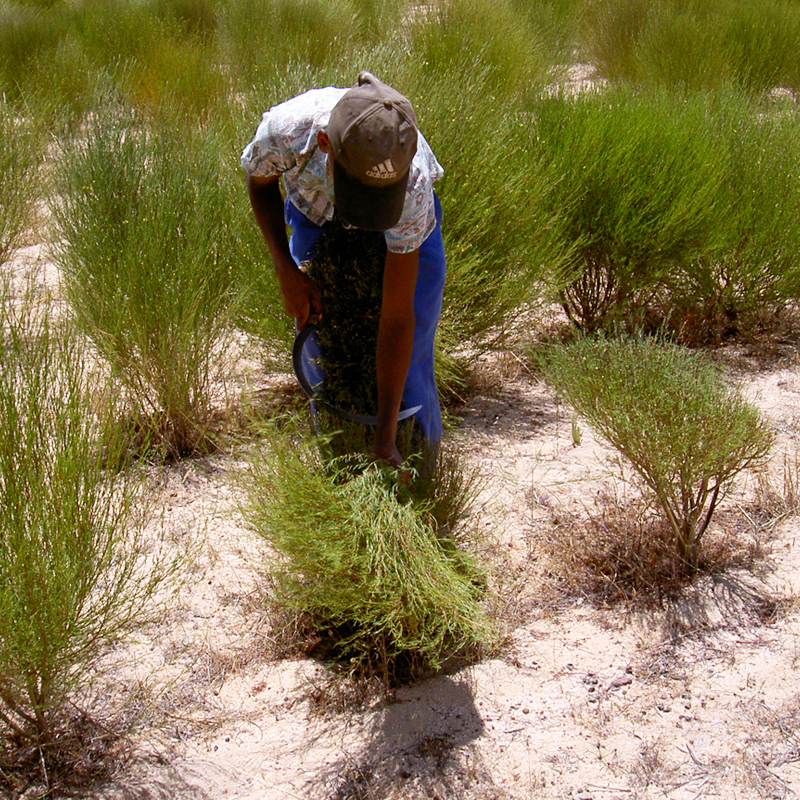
pixel 420 742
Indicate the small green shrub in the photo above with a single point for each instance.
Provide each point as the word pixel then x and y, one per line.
pixel 363 558
pixel 46 69
pixel 763 42
pixel 149 224
pixel 555 25
pixel 261 40
pixel 75 571
pixel 27 36
pixel 378 20
pixel 178 74
pixel 686 434
pixel 116 34
pixel 197 18
pixel 681 48
pixel 472 35
pixel 609 32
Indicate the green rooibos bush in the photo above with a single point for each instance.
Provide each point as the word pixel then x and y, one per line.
pixel 608 35
pixel 73 577
pixel 634 190
pixel 260 40
pixel 755 268
pixel 670 414
pixel 150 223
pixel 496 228
pixel 372 563
pixel 703 44
pixel 19 187
pixel 28 35
pixel 474 36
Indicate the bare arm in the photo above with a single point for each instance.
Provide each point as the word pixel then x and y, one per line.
pixel 393 354
pixel 301 297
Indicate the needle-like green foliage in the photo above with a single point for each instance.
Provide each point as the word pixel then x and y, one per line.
pixel 501 36
pixel 149 224
pixel 363 557
pixel 699 44
pixel 19 187
pixel 73 577
pixel 261 38
pixel 755 269
pixel 671 415
pixel 635 182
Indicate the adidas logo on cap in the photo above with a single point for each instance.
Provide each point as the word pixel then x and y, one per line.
pixel 383 171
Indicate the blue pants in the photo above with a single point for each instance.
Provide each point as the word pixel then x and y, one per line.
pixel 420 387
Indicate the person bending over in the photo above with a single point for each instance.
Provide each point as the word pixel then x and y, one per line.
pixel 354 157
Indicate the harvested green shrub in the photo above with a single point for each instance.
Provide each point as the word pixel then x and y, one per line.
pixel 348 269
pixel 149 224
pixel 75 571
pixel 364 560
pixel 686 434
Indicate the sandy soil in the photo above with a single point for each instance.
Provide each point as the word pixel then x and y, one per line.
pixel 698 698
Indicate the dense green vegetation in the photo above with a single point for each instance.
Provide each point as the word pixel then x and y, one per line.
pixel 546 194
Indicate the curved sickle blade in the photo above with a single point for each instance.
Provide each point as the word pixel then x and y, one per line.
pixel 305 385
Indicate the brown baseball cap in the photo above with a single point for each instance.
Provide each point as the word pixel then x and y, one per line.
pixel 373 136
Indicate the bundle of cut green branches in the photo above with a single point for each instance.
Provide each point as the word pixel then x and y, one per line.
pixel 364 562
pixel 348 268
